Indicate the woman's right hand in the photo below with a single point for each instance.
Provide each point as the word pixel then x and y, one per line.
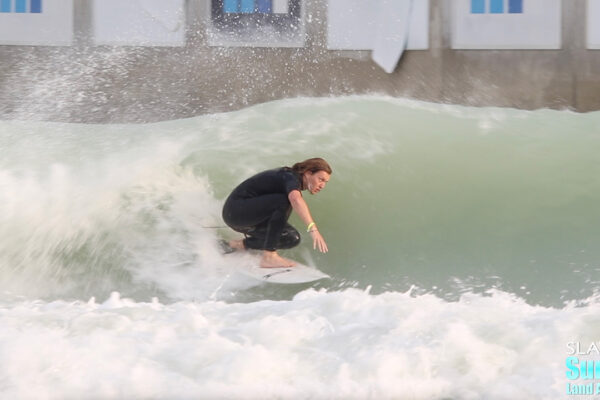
pixel 318 240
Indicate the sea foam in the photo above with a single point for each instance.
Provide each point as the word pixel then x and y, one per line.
pixel 345 344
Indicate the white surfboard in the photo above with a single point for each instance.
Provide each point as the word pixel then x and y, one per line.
pixel 299 273
pixel 248 264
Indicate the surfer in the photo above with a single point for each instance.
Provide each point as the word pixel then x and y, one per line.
pixel 261 205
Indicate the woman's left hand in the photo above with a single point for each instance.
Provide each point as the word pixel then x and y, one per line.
pixel 318 241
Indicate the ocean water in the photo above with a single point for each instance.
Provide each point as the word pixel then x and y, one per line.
pixel 463 253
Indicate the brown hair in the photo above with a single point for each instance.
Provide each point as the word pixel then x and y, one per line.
pixel 312 165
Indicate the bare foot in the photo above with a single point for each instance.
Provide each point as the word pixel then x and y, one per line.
pixel 271 259
pixel 237 244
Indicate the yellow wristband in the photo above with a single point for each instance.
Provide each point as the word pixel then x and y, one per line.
pixel 310 226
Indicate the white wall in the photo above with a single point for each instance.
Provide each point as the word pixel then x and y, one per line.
pixel 353 24
pixel 593 24
pixel 139 22
pixel 52 27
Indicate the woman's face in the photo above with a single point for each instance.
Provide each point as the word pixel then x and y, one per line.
pixel 315 182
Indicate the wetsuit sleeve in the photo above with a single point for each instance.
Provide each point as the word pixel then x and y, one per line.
pixel 290 182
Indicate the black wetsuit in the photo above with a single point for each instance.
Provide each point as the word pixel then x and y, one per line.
pixel 259 208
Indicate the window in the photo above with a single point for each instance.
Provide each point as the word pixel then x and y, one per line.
pixel 258 6
pixel 21 6
pixel 507 24
pixel 496 6
pixel 256 22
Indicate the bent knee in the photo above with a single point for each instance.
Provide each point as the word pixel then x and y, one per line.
pixel 289 238
pixel 295 238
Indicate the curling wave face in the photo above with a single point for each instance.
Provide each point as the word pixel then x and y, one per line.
pixel 450 199
pixel 463 251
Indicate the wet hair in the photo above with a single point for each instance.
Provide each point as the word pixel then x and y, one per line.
pixel 312 165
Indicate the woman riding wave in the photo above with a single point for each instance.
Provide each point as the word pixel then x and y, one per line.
pixel 260 206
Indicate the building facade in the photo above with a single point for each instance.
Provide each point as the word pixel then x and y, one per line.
pixel 147 60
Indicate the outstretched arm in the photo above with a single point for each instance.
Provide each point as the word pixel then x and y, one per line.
pixel 301 208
